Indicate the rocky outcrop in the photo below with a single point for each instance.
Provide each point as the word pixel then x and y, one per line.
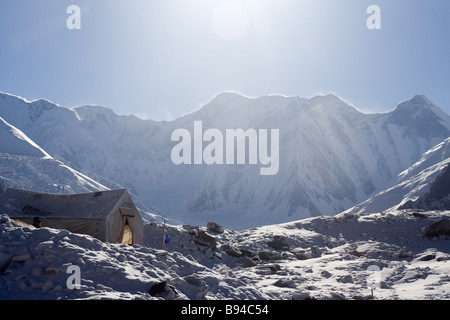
pixel 438 229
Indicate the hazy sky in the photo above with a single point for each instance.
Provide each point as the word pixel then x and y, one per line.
pixel 160 59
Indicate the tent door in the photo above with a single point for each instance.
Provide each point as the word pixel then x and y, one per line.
pixel 127 234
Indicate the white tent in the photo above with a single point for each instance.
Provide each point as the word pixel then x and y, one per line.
pixel 109 216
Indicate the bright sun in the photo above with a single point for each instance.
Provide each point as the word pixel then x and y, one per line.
pixel 230 21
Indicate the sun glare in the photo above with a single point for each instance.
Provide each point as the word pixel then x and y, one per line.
pixel 230 20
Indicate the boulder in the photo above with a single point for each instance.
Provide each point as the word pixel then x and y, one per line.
pixel 249 263
pixel 204 239
pixel 278 243
pixel 214 227
pixel 273 267
pixel 232 251
pixel 192 230
pixel 162 289
pixel 269 255
pixel 438 229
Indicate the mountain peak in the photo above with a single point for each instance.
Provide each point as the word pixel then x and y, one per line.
pixel 420 100
pixel 420 113
pixel 228 96
pixel 416 103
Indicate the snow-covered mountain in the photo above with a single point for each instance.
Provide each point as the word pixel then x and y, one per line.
pixel 331 156
pixel 424 185
pixel 437 196
pixel 23 164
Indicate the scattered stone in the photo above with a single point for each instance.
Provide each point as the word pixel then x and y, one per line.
pixel 214 227
pixel 161 288
pixel 302 256
pixel 315 252
pixel 278 243
pixel 248 263
pixel 438 229
pixel 285 283
pixel 269 255
pixel 356 253
pixel 345 279
pixel 247 253
pixel 337 296
pixel 272 267
pixel 204 239
pixel 192 230
pixel 302 296
pixel 232 251
pixel 428 257
pixel 325 274
pixel 50 270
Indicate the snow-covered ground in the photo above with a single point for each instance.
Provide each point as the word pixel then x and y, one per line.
pixel 383 256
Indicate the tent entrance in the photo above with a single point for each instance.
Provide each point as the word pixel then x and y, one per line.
pixel 127 234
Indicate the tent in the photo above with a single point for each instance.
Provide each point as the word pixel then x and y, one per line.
pixel 109 216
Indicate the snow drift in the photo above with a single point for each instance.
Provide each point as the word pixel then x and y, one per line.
pixel 326 258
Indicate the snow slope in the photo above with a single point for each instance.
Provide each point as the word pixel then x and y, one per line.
pixel 413 182
pixel 381 256
pixel 23 164
pixel 332 156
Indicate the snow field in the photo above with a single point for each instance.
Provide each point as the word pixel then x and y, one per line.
pixel 324 258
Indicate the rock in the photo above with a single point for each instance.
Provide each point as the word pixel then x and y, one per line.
pixel 285 283
pixel 438 229
pixel 338 296
pixel 50 270
pixel 192 230
pixel 315 251
pixel 345 279
pixel 232 251
pixel 302 256
pixel 356 253
pixel 248 263
pixel 247 253
pixel 214 227
pixel 269 255
pixel 302 296
pixel 204 239
pixel 272 267
pixel 162 289
pixel 278 243
pixel 427 257
pixel 326 274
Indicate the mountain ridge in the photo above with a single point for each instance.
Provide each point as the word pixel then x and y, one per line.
pixel 332 156
pixel 26 165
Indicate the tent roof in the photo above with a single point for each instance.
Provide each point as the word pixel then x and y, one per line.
pixel 25 203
